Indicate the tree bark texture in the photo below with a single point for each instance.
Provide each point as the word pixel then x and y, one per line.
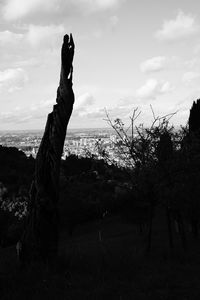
pixel 40 239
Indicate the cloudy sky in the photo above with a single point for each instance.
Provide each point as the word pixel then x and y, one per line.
pixel 129 54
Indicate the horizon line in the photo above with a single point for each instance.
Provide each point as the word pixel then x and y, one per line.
pixel 40 129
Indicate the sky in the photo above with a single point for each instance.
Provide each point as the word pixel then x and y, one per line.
pixel 128 54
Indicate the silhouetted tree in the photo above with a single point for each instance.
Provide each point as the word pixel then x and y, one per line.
pixel 194 118
pixel 40 239
pixel 191 152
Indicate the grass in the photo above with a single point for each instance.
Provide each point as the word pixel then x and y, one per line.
pixel 116 268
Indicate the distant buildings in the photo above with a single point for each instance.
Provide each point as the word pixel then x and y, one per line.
pixel 80 143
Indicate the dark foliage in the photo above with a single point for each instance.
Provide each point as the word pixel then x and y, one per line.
pixel 194 120
pixel 16 169
pixel 165 148
pixel 87 190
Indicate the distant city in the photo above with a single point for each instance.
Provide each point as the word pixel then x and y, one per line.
pixel 79 142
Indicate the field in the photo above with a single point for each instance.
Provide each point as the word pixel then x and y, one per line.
pixel 107 259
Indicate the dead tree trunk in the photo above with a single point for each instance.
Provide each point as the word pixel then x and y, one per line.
pixel 40 239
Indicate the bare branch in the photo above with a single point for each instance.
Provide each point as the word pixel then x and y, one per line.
pixel 154 116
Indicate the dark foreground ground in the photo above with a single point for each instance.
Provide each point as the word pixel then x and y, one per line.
pixel 108 260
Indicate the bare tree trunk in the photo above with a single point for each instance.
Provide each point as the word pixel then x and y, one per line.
pixel 40 239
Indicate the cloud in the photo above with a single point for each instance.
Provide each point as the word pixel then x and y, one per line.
pixel 44 35
pixel 33 113
pixel 192 63
pixel 189 77
pixel 18 117
pixel 95 113
pixel 30 62
pixel 182 26
pixel 8 37
pixel 35 36
pixel 154 64
pixel 9 117
pixel 12 79
pixel 152 88
pixel 96 5
pixel 97 33
pixel 99 113
pixel 114 21
pixel 83 104
pixel 196 49
pixel 18 9
pixel 36 113
pixel 84 101
pixel 164 87
pixel 43 106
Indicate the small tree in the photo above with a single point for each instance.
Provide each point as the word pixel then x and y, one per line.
pixel 143 150
pixel 137 145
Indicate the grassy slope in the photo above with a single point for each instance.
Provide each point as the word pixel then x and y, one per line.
pixel 116 268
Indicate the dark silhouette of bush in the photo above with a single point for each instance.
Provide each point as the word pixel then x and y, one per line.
pixel 73 165
pixel 87 189
pixel 16 169
pixel 16 173
pixel 165 148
